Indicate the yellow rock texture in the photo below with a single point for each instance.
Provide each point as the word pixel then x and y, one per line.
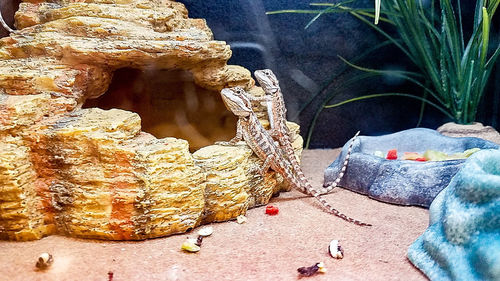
pixel 140 187
pixel 93 173
pixel 21 211
pixel 232 184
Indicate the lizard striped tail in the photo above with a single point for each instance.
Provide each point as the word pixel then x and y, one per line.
pixel 292 157
pixel 336 212
pixel 329 188
pixel 332 186
pixel 305 187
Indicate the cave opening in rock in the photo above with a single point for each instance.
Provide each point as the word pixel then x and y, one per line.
pixel 170 104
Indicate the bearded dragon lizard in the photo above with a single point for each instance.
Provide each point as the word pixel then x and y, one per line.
pixel 277 119
pixel 263 145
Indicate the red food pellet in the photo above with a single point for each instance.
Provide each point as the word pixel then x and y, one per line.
pixel 392 154
pixel 271 210
pixel 421 159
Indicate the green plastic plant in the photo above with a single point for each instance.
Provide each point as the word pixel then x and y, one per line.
pixel 453 70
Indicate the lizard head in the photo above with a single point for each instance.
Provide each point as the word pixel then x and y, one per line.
pixel 267 80
pixel 236 101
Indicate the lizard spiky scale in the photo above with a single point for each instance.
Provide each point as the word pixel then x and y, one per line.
pixel 262 144
pixel 330 187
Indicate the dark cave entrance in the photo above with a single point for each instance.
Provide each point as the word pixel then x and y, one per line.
pixel 170 104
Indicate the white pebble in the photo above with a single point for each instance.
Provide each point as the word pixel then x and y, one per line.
pixel 241 219
pixel 335 250
pixel 206 231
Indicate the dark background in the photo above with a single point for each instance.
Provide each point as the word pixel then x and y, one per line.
pixel 306 59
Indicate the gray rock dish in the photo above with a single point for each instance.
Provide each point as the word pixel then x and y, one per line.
pixel 401 182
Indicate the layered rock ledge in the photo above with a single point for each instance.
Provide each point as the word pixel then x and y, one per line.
pixel 93 173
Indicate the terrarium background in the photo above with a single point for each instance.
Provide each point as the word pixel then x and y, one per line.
pixel 303 60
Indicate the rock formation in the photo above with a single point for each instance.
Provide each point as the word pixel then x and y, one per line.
pixel 93 173
pixel 402 182
pixel 462 241
pixel 475 129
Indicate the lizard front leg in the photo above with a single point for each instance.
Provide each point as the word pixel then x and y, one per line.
pixel 265 166
pixel 264 98
pixel 237 138
pixel 268 100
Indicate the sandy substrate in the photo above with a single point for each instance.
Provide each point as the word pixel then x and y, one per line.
pixel 264 248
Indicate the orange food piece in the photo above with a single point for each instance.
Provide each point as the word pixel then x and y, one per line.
pixel 412 156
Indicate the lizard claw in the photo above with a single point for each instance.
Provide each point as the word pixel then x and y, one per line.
pixel 230 143
pixel 223 143
pixel 255 169
pixel 274 133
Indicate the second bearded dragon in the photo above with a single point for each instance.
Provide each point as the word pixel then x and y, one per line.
pixel 262 144
pixel 277 119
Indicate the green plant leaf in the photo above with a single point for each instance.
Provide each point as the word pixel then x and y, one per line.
pixel 337 74
pixel 485 36
pixel 293 12
pixel 453 69
pixel 328 98
pixel 330 9
pixel 390 95
pixel 407 75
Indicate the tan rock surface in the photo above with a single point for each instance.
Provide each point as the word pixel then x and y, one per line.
pixel 123 35
pixel 233 185
pixel 21 212
pixel 93 173
pixel 30 76
pixel 100 177
pixel 473 130
pixel 19 115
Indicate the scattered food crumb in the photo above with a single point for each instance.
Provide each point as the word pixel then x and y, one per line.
pixel 392 154
pixel 44 261
pixel 336 250
pixel 322 268
pixel 311 270
pixel 429 155
pixel 206 231
pixel 379 153
pixel 241 219
pixel 411 156
pixel 110 275
pixel 194 245
pixel 199 240
pixel 271 210
pixel 190 246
